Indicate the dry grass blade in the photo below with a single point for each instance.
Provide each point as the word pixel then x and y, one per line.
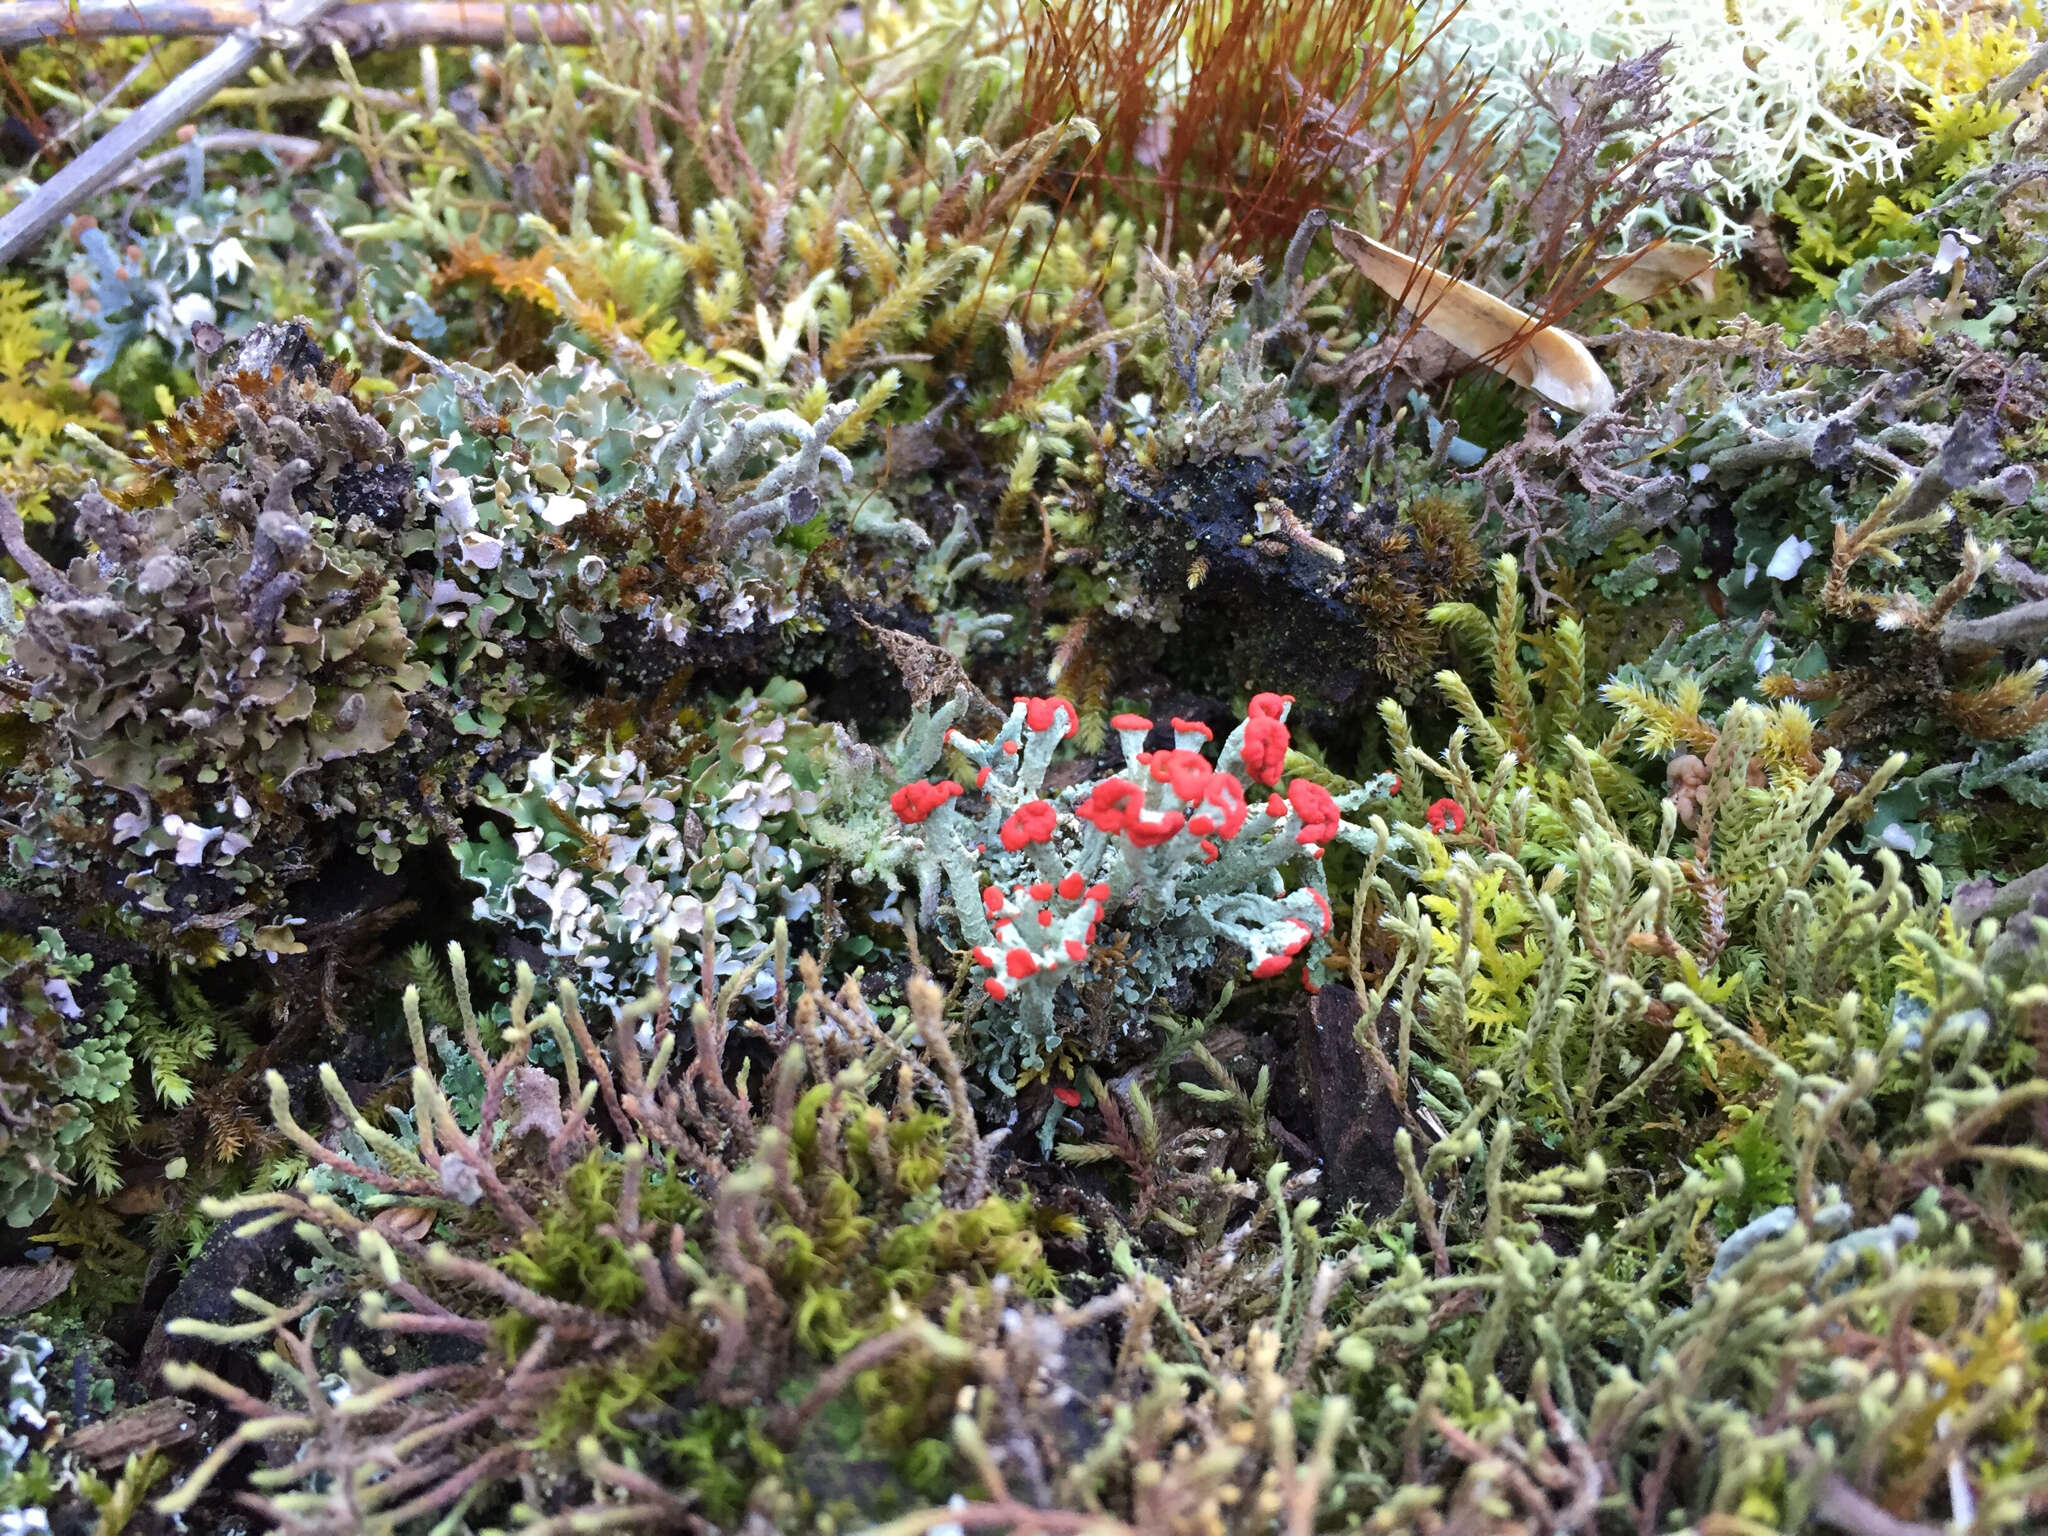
pixel 1552 362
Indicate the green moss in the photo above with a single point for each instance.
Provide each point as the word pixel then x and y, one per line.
pixel 575 1253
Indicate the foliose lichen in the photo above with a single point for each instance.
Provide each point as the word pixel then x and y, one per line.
pixel 630 515
pixel 216 661
pixel 607 851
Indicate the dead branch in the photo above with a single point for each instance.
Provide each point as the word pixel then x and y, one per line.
pixel 360 28
pixel 2022 626
pixel 293 151
pixel 1978 899
pixel 1844 1509
pixel 93 170
pixel 2030 70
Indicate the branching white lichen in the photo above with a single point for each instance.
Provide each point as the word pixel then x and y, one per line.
pixel 1768 80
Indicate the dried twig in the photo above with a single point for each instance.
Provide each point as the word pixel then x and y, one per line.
pixel 2030 70
pixel 1978 899
pixel 100 165
pixel 44 577
pixel 1842 1508
pixel 2022 626
pixel 294 151
pixel 359 28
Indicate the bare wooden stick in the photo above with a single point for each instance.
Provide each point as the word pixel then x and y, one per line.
pixel 2021 626
pixel 108 157
pixel 293 150
pixel 359 27
pixel 2031 69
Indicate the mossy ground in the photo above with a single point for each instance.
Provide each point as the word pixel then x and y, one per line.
pixel 494 531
